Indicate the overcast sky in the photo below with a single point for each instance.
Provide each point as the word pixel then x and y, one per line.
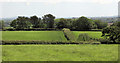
pixel 59 8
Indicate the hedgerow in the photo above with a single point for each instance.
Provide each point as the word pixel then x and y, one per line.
pixel 19 42
pixel 69 35
pixel 31 29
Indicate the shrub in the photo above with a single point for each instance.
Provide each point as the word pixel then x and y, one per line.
pixel 83 37
pixel 68 34
pixel 104 41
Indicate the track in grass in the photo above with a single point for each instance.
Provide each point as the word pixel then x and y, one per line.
pixel 60 52
pixel 33 35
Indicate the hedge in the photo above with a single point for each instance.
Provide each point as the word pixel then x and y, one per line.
pixel 69 35
pixel 20 42
pixel 32 29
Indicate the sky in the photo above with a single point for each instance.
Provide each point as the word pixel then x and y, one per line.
pixel 58 8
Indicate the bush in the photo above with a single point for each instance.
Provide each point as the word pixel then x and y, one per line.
pixel 69 35
pixel 83 37
pixel 104 41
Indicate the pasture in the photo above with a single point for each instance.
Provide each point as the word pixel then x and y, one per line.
pixel 33 35
pixel 92 34
pixel 44 35
pixel 60 52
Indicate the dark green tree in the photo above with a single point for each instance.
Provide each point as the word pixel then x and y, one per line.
pixel 35 21
pixel 116 24
pixel 83 23
pixel 14 24
pixel 49 20
pixel 62 23
pixel 112 33
pixel 100 24
pixel 21 23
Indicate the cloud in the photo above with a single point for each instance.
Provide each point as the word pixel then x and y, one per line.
pixel 59 1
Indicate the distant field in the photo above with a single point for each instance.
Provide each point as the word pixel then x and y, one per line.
pixel 93 34
pixel 60 52
pixel 33 35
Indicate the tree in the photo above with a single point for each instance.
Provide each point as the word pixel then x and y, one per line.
pixel 62 23
pixel 35 21
pixel 117 24
pixel 100 24
pixel 49 20
pixel 1 24
pixel 21 23
pixel 14 24
pixel 112 33
pixel 83 23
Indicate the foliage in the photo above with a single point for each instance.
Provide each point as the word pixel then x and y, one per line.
pixel 35 21
pixel 84 37
pixel 31 29
pixel 100 24
pixel 112 33
pixel 104 41
pixel 21 42
pixel 69 35
pixel 64 23
pixel 116 24
pixel 49 20
pixel 83 23
pixel 21 23
pixel 1 24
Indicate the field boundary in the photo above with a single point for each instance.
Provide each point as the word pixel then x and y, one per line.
pixel 20 42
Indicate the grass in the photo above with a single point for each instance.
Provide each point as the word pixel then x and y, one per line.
pixel 60 52
pixel 33 35
pixel 93 34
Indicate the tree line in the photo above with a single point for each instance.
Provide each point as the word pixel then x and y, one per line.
pixel 49 21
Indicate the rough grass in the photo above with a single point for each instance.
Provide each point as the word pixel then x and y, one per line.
pixel 60 53
pixel 92 34
pixel 33 35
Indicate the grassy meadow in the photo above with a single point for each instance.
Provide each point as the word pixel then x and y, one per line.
pixel 44 35
pixel 33 35
pixel 60 52
pixel 92 34
pixel 82 52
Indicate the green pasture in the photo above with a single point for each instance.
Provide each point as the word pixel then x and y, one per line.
pixel 33 35
pixel 92 34
pixel 59 52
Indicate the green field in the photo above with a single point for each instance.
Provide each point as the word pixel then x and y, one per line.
pixel 33 35
pixel 60 52
pixel 92 34
pixel 44 35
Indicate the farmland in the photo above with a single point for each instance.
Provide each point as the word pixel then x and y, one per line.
pixel 60 52
pixel 92 34
pixel 44 35
pixel 33 35
pixel 83 52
